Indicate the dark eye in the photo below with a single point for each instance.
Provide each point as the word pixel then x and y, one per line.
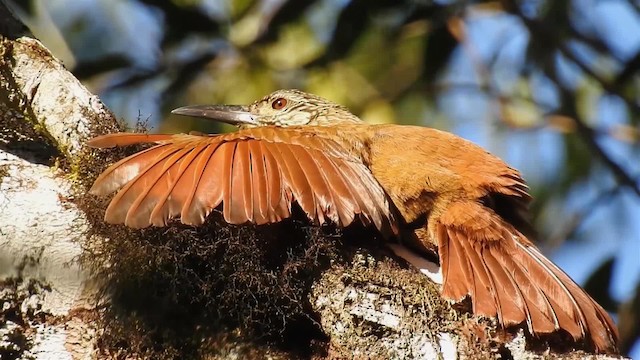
pixel 279 103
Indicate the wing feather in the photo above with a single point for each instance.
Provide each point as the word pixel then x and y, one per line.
pixel 325 203
pixel 359 192
pixel 259 182
pixel 296 180
pixel 241 197
pixel 255 175
pixel 117 210
pixel 225 177
pixel 188 185
pixel 279 198
pixel 343 200
pixel 124 171
pixel 139 213
pixel 169 203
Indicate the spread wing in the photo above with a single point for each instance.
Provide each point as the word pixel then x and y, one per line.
pixel 255 174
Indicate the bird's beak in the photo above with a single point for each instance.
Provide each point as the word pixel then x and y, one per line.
pixel 238 115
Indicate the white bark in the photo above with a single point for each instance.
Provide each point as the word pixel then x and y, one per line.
pixel 64 109
pixel 39 225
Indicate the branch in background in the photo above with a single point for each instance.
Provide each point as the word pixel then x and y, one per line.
pixel 627 72
pixel 540 32
pixel 578 218
pixel 457 27
pixel 625 133
pixel 568 100
pixel 635 5
pixel 606 85
pixel 588 134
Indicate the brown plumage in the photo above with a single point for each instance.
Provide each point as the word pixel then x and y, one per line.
pixel 293 147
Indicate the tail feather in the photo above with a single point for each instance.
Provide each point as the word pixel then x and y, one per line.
pixel 488 299
pixel 456 269
pixel 536 306
pixel 511 299
pixel 597 321
pixel 507 277
pixel 563 303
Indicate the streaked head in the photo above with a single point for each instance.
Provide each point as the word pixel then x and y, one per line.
pixel 280 108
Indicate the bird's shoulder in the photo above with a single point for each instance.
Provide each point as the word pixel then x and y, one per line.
pixel 333 141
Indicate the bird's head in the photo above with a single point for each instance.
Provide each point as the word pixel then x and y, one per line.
pixel 280 108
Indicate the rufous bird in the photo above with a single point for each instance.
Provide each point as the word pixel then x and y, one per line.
pixel 431 187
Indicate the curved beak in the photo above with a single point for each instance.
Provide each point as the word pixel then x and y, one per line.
pixel 238 115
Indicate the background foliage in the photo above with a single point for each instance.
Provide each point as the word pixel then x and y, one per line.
pixel 551 86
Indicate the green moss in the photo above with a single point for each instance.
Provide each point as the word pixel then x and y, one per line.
pixel 19 130
pixel 89 163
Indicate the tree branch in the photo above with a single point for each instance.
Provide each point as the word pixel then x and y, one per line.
pixel 540 33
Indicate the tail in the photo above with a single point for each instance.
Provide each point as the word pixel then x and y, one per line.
pixel 507 277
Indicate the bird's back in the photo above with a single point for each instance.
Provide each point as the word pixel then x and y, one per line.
pixel 414 163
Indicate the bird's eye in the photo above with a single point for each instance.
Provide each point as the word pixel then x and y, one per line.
pixel 279 103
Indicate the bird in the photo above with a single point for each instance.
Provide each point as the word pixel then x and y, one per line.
pixel 432 189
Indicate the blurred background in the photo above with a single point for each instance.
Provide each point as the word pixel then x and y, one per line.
pixel 551 86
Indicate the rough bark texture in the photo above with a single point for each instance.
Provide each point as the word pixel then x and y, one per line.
pixel 358 301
